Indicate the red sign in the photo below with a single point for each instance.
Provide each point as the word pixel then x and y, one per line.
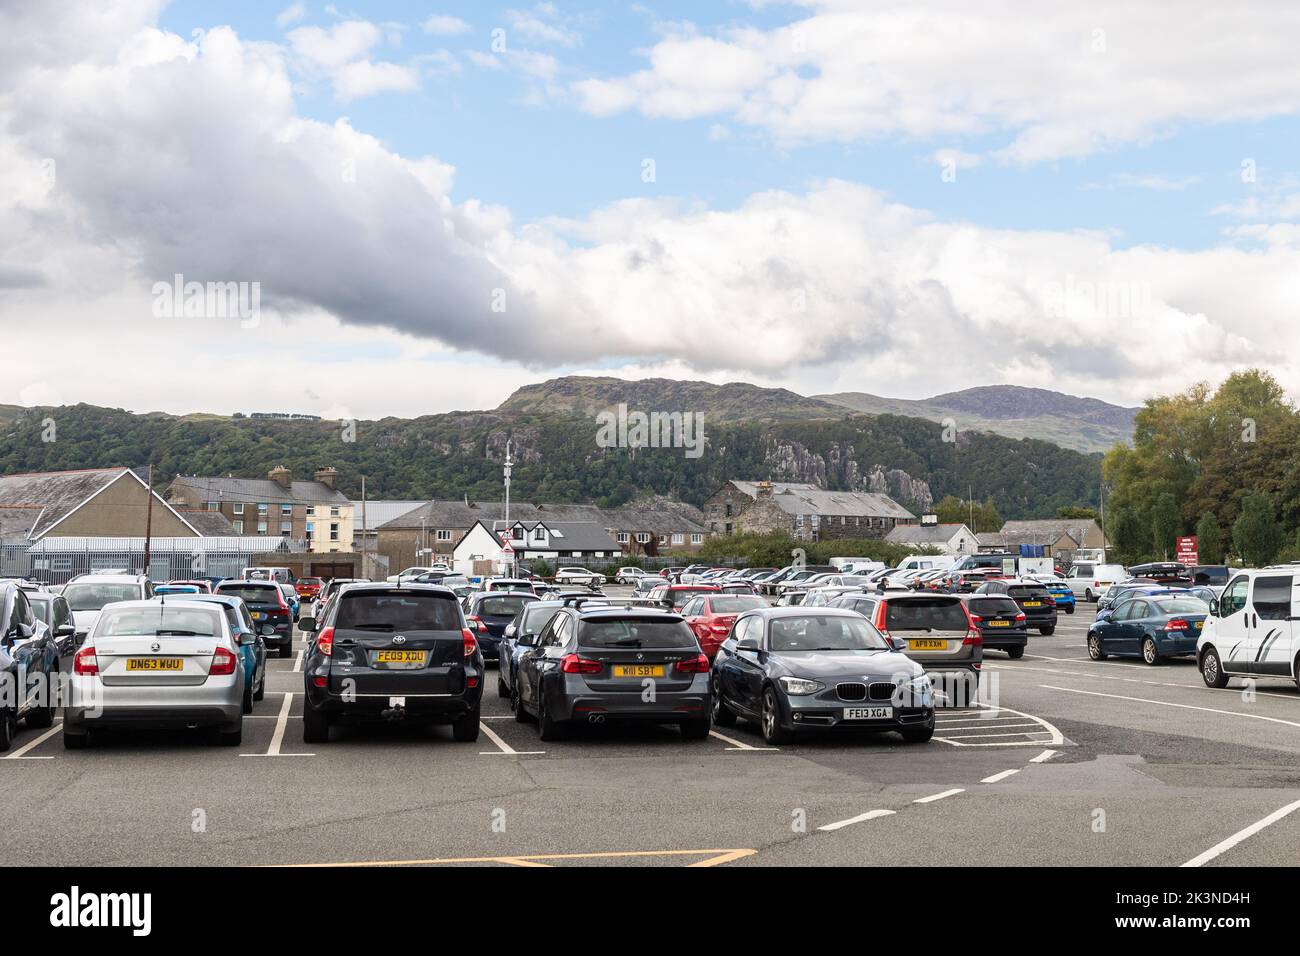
pixel 1186 552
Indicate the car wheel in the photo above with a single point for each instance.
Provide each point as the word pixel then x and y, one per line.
pixel 1212 669
pixel 465 728
pixel 1087 594
pixel 547 728
pixel 773 732
pixel 76 741
pixel 918 735
pixel 1069 609
pixel 315 725
pixel 1149 652
pixel 1094 648
pixel 248 699
pixel 695 729
pixel 721 713
pixel 1015 653
pixel 42 717
pixel 1047 631
pixel 261 688
pixel 1296 670
pixel 231 738
pixel 502 690
pixel 8 726
pixel 287 650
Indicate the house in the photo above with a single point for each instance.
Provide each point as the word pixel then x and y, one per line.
pixel 953 539
pixel 91 502
pixel 803 511
pixel 482 549
pixel 369 515
pixel 431 531
pixel 277 505
pixel 1059 537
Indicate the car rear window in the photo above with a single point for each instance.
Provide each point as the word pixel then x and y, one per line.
pixel 994 606
pixel 504 605
pixel 167 621
pixel 252 593
pixel 93 597
pixel 925 614
pixel 635 632
pixel 734 605
pixel 1026 590
pixel 1182 605
pixel 823 633
pixel 398 612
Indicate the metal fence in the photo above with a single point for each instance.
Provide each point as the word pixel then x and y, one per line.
pixel 58 560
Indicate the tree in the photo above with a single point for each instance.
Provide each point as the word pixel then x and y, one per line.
pixel 980 517
pixel 1257 535
pixel 1073 511
pixel 1164 523
pixel 1209 539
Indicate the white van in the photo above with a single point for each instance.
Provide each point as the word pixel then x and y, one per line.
pixel 1252 630
pixel 1090 581
pixel 279 575
pixel 856 565
pixel 928 562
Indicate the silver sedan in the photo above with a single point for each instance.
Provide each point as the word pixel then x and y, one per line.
pixel 148 664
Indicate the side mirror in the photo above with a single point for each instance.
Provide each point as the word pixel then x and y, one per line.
pixel 1214 606
pixel 510 631
pixel 528 640
pixel 25 632
pixel 307 623
pixel 267 630
pixel 897 643
pixel 65 630
pixel 748 644
pixel 247 638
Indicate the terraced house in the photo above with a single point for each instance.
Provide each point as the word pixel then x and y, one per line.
pixel 313 511
pixel 803 511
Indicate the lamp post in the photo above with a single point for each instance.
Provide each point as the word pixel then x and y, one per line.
pixel 507 465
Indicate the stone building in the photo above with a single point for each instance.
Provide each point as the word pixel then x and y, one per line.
pixel 803 511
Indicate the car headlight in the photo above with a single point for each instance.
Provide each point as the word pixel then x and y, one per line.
pixel 798 686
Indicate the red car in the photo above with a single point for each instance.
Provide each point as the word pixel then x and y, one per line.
pixel 710 616
pixel 309 588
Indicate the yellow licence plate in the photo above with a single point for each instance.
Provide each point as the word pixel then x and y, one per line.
pixel 1032 604
pixel 638 670
pixel 257 615
pixel 1199 625
pixel 154 664
pixel 999 623
pixel 399 657
pixel 927 645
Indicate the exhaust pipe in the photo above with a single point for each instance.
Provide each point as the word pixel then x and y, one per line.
pixel 596 719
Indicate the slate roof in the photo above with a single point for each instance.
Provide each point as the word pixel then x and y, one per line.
pixel 801 498
pixel 55 493
pixel 379 512
pixel 576 536
pixel 458 514
pixel 210 524
pixel 257 490
pixel 923 533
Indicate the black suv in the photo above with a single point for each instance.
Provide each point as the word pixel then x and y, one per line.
pixel 392 652
pixel 597 663
pixel 1032 598
pixel 267 607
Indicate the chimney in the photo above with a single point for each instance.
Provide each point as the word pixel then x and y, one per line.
pixel 929 520
pixel 281 476
pixel 327 476
pixel 763 489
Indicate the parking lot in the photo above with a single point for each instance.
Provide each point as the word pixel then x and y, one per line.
pixel 1070 761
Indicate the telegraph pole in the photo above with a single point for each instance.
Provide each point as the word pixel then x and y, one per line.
pixel 148 518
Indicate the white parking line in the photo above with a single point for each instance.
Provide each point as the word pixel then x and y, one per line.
pixel 990 726
pixel 33 744
pixel 1045 756
pixel 739 744
pixel 999 717
pixel 277 737
pixel 1220 848
pixel 869 815
pixel 1166 703
pixel 939 796
pixel 1133 680
pixel 1000 776
pixel 1020 733
pixel 506 750
pixel 297 662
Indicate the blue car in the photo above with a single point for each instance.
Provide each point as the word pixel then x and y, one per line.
pixel 1059 590
pixel 241 625
pixel 1151 627
pixel 1155 590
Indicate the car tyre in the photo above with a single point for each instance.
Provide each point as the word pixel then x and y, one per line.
pixel 1087 594
pixel 1212 669
pixel 918 735
pixel 1094 648
pixel 502 690
pixel 261 687
pixel 231 738
pixel 1069 609
pixel 548 728
pixel 1015 653
pixel 43 717
pixel 1149 652
pixel 76 741
pixel 247 705
pixel 465 728
pixel 8 727
pixel 721 713
pixel 1047 631
pixel 695 729
pixel 315 725
pixel 287 650
pixel 773 732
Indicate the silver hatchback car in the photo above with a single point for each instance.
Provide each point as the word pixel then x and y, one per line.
pixel 148 664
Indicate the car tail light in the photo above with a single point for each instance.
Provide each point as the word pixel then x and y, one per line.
pixel 975 619
pixel 469 646
pixel 880 619
pixel 1051 600
pixel 325 642
pixel 973 638
pixel 1021 616
pixel 280 595
pixel 85 662
pixel 223 663
pixel 476 623
pixel 573 664
pixel 694 665
pixel 1177 624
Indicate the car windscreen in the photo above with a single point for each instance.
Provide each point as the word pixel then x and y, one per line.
pixel 252 593
pixel 41 605
pixel 994 606
pixel 734 605
pixel 635 632
pixel 823 633
pixel 504 605
pixel 397 612
pixel 91 596
pixel 1181 605
pixel 535 619
pixel 934 614
pixel 1212 576
pixel 163 620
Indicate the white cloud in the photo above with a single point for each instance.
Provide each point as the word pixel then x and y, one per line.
pixel 290 15
pixel 1053 81
pixel 364 78
pixel 543 24
pixel 445 26
pixel 337 46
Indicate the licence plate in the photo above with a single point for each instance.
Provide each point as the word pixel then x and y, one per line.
pixel 868 713
pixel 1199 625
pixel 257 615
pixel 638 670
pixel 1032 604
pixel 399 657
pixel 154 664
pixel 927 645
pixel 999 623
